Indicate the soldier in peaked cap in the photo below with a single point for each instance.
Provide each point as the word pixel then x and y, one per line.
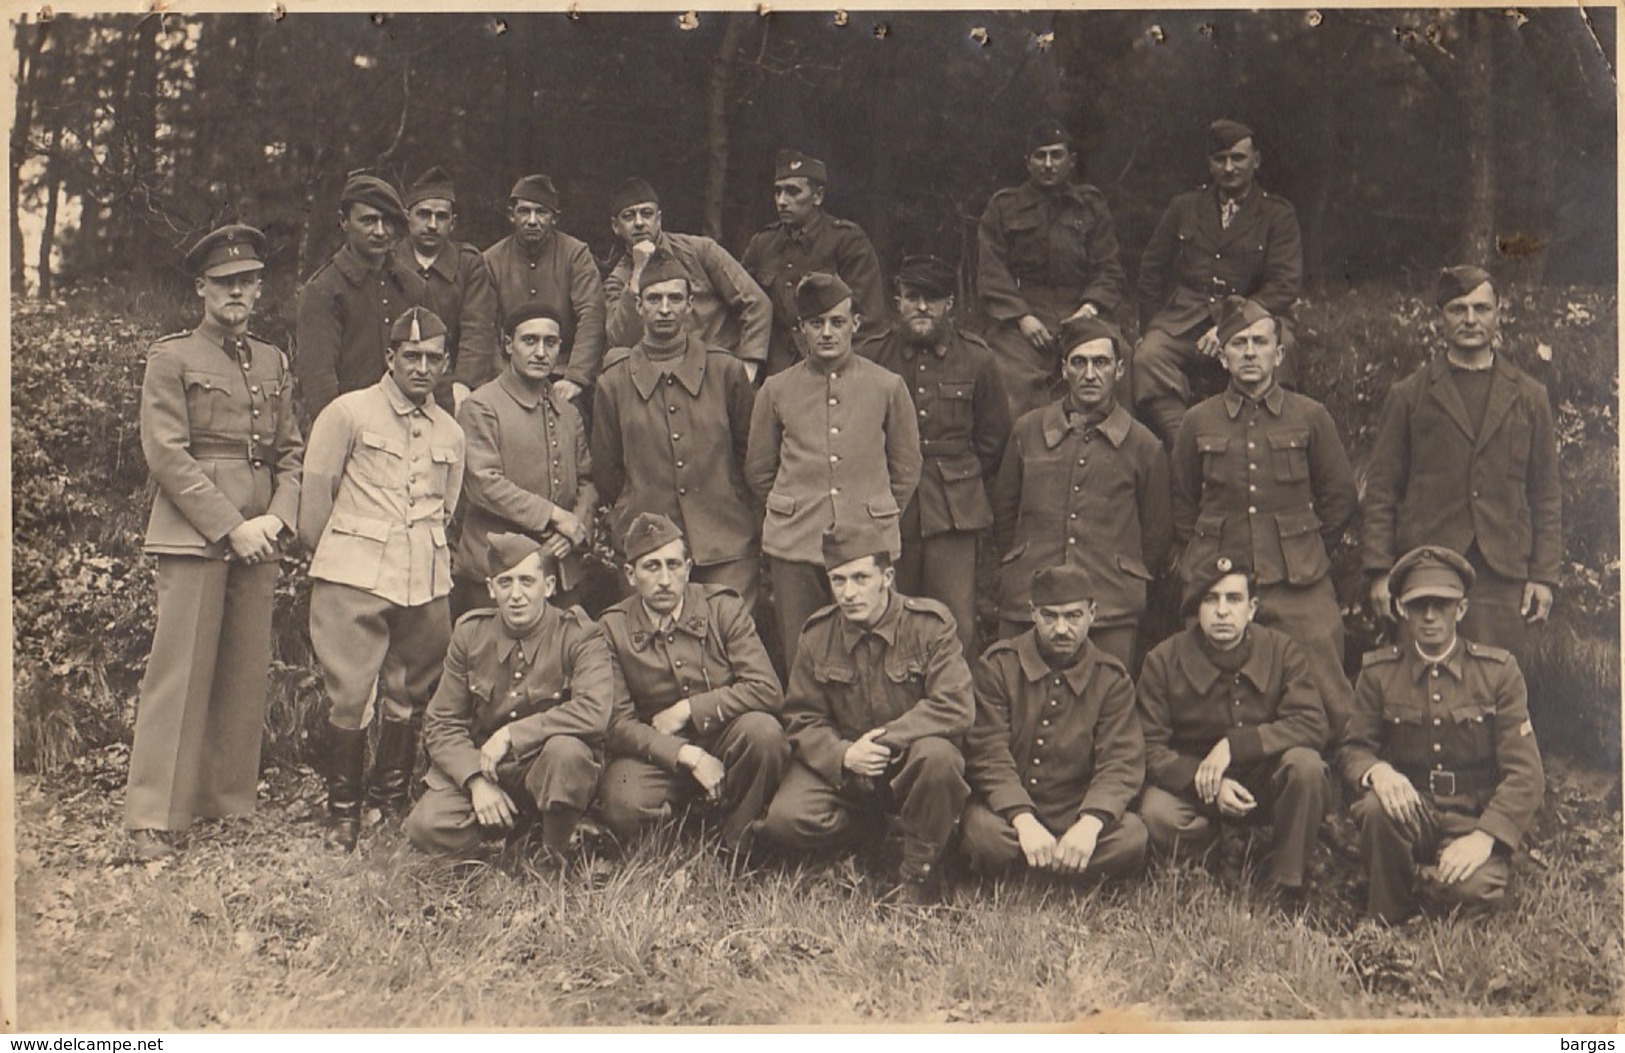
pixel 964 420
pixel 516 728
pixel 1057 753
pixel 697 702
pixel 539 262
pixel 833 441
pixel 1441 746
pixel 878 700
pixel 1466 458
pixel 460 287
pixel 806 239
pixel 222 444
pixel 1048 252
pixel 1229 239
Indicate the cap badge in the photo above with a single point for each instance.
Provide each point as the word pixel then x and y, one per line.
pixel 795 164
pixel 1224 564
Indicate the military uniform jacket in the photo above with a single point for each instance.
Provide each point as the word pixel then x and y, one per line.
pixel 906 673
pixel 344 316
pixel 778 257
pixel 1432 482
pixel 964 421
pixel 382 477
pixel 1187 704
pixel 1047 254
pixel 730 310
pixel 670 437
pixel 462 293
pixel 1192 261
pixel 555 680
pixel 1054 742
pixel 1267 477
pixel 831 446
pixel 1467 715
pixel 220 439
pixel 711 656
pixel 1094 496
pixel 564 276
pixel 526 454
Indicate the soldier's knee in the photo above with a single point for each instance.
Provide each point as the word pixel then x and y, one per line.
pixel 934 758
pixel 1301 768
pixel 1123 848
pixel 761 736
pixel 428 828
pixel 988 840
pixel 1172 824
pixel 1485 888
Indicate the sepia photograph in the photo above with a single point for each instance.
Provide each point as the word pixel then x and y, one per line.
pixel 815 518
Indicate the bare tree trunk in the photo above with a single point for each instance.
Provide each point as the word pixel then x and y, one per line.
pixel 29 44
pixel 716 173
pixel 53 186
pixel 1475 65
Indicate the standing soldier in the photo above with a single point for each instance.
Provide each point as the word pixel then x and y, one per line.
pixel 223 447
pixel 1230 239
pixel 1051 695
pixel 832 443
pixel 806 239
pixel 879 699
pixel 697 702
pixel 1084 484
pixel 539 262
pixel 730 311
pixel 1047 254
pixel 964 421
pixel 1261 470
pixel 672 420
pixel 460 289
pixel 517 724
pixel 384 469
pixel 1441 742
pixel 1466 457
pixel 348 307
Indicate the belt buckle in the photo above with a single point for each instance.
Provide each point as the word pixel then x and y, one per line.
pixel 1442 783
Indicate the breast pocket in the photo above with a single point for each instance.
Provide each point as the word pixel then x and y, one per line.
pixel 905 684
pixel 444 459
pixel 1212 449
pixel 380 459
pixel 1289 456
pixel 953 405
pixel 208 401
pixel 1472 734
pixel 1029 245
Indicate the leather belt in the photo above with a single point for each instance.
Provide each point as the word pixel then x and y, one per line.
pixel 943 447
pixel 229 451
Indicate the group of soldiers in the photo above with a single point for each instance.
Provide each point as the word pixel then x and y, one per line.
pixel 470 414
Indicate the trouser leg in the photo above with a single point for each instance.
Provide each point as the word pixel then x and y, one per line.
pixel 755 753
pixel 1175 824
pixel 1484 888
pixel 418 640
pixel 236 721
pixel 1162 387
pixel 1386 854
pixel 1120 852
pixel 1119 641
pixel 1300 787
pixel 442 823
pixel 948 575
pixel 349 631
pixel 798 590
pixel 1027 374
pixel 561 781
pixel 741 575
pixel 988 840
pixel 1010 628
pixel 1493 610
pixel 806 812
pixel 468 595
pixel 930 790
pixel 1311 616
pixel 634 792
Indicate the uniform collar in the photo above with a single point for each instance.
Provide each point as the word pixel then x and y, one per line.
pixel 441 264
pixel 1114 427
pixel 814 227
pixel 693 617
pixel 403 406
pixel 356 269
pixel 886 628
pixel 531 642
pixel 1271 400
pixel 516 391
pixel 1035 668
pixel 911 350
pixel 689 369
pixel 1202 673
pixel 1451 662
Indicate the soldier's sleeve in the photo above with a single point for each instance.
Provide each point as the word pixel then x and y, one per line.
pixel 1545 493
pixel 318 328
pixel 995 285
pixel 739 290
pixel 325 459
pixel 859 267
pixel 1155 497
pixel 903 459
pixel 290 456
pixel 762 447
pixel 1362 736
pixel 587 300
pixel 990 416
pixel 754 688
pixel 1185 483
pixel 741 404
pixel 487 486
pixel 630 736
pixel 1156 265
pixel 809 724
pixel 1300 718
pixel 1164 766
pixel 586 506
pixel 623 325
pixel 1105 288
pixel 1511 809
pixel 477 359
pixel 448 723
pixel 1386 478
pixel 608 454
pixel 948 707
pixel 1283 262
pixel 592 692
pixel 166 431
pixel 1331 477
pixel 1119 754
pixel 1005 497
pixel 457 474
pixel 990 767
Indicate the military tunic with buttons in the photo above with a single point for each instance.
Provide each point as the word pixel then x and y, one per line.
pixel 564 276
pixel 552 689
pixel 462 294
pixel 345 313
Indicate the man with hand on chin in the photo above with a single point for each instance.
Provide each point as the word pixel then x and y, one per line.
pixel 1441 742
pixel 1057 752
pixel 517 724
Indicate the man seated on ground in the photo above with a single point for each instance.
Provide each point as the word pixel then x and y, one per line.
pixel 516 725
pixel 1057 753
pixel 696 700
pixel 1233 729
pixel 879 697
pixel 1440 741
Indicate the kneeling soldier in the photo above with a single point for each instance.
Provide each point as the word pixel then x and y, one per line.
pixel 1232 721
pixel 1057 753
pixel 1441 742
pixel 879 697
pixel 515 726
pixel 696 701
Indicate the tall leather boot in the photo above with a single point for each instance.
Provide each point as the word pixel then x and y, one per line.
pixel 558 824
pixel 346 759
pixel 392 763
pixel 920 884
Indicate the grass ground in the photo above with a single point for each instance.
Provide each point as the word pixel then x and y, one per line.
pixel 257 927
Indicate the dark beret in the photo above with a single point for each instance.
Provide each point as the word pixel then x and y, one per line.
pixel 416 325
pixel 525 312
pixel 819 292
pixel 929 274
pixel 843 543
pixel 370 190
pixel 662 268
pixel 1209 574
pixel 1068 583
pixel 434 183
pixel 1048 131
pixel 649 531
pixel 1224 133
pixel 507 551
pixel 1075 331
pixel 635 191
pixel 792 163
pixel 1456 282
pixel 232 249
pixel 1237 313
pixel 1431 570
pixel 537 188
